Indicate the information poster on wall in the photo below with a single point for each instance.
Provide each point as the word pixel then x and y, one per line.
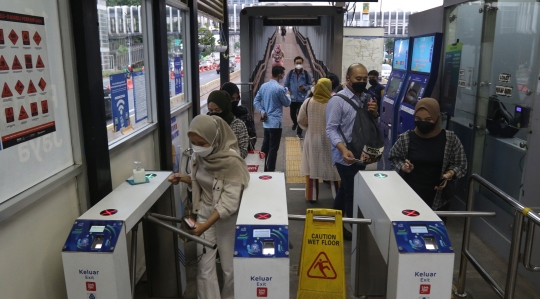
pixel 177 75
pixel 363 45
pixel 139 94
pixel 24 77
pixel 452 64
pixel 119 101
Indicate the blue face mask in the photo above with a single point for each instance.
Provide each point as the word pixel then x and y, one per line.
pixel 281 80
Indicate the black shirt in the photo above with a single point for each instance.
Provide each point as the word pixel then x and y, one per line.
pixel 427 155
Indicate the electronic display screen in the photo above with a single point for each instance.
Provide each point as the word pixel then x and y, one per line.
pixel 97 229
pixel 401 54
pixel 261 233
pixel 431 243
pixel 412 96
pixel 393 87
pixel 422 54
pixel 420 229
pixel 268 247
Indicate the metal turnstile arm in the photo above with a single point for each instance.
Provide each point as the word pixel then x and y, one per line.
pixel 178 231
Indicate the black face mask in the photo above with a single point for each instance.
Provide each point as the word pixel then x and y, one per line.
pixel 424 126
pixel 359 87
pixel 235 104
pixel 217 114
pixel 373 82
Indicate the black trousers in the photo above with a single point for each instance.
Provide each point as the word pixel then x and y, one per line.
pixel 270 147
pixel 295 108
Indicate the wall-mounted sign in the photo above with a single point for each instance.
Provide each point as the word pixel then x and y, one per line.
pixel 25 112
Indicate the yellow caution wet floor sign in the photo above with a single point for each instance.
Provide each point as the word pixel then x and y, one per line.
pixel 322 266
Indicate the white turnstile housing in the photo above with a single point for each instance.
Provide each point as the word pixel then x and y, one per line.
pixel 261 261
pixel 95 255
pixel 411 238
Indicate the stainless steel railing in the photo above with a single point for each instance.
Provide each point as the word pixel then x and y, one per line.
pixel 521 212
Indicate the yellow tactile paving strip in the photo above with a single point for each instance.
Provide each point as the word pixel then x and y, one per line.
pixel 293 158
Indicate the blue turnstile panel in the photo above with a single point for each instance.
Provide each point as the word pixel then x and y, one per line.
pixel 422 237
pixel 93 236
pixel 261 241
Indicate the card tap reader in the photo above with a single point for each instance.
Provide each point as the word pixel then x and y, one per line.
pixel 405 252
pixel 261 248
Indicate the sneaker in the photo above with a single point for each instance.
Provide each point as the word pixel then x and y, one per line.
pixel 299 136
pixel 294 127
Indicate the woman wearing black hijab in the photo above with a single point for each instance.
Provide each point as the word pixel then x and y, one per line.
pixel 219 104
pixel 241 112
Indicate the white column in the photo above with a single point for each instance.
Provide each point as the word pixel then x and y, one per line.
pixel 234 14
pixel 403 25
pixel 389 20
pixel 397 18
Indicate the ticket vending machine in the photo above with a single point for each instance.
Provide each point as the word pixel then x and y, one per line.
pixel 261 248
pixel 425 60
pixel 405 253
pixel 392 95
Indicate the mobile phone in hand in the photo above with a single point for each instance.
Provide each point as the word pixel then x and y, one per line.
pixel 189 222
pixel 442 181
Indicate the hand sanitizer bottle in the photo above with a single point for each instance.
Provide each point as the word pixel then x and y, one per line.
pixel 138 173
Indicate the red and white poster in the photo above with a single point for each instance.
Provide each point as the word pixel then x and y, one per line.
pixel 25 94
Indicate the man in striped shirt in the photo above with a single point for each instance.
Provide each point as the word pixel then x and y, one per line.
pixel 340 115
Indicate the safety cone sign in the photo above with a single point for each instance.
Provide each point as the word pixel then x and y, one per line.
pixel 322 266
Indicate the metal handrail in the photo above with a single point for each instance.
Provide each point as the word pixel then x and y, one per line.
pixel 513 260
pixel 528 249
pixel 263 63
pixel 178 231
pixel 305 43
pixel 330 219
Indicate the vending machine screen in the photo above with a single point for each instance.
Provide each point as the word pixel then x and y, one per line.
pixel 401 54
pixel 422 54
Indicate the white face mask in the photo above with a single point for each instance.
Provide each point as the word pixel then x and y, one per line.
pixel 202 151
pixel 312 89
pixel 298 66
pixel 281 80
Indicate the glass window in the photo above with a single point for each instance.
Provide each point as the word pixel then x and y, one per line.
pixel 122 65
pixel 176 60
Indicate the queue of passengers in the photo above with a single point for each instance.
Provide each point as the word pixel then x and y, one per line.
pixel 427 157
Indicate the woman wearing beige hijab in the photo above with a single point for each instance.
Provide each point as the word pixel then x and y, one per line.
pixel 316 155
pixel 216 198
pixel 428 157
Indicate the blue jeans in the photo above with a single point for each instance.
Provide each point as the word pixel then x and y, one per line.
pixel 345 196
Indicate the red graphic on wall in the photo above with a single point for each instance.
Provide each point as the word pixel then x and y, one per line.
pixel 13 37
pixel 16 64
pixel 19 87
pixel 262 292
pixel 26 38
pixel 31 87
pixel 410 213
pixel 265 177
pixel 34 109
pixel 28 61
pixel 6 91
pixel 425 289
pixel 37 38
pixel 1 36
pixel 39 63
pixel 10 116
pixel 91 286
pixel 42 84
pixel 322 268
pixel 262 216
pixel 44 107
pixel 108 212
pixel 3 64
pixel 23 114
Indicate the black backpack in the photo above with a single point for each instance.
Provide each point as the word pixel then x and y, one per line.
pixel 367 143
